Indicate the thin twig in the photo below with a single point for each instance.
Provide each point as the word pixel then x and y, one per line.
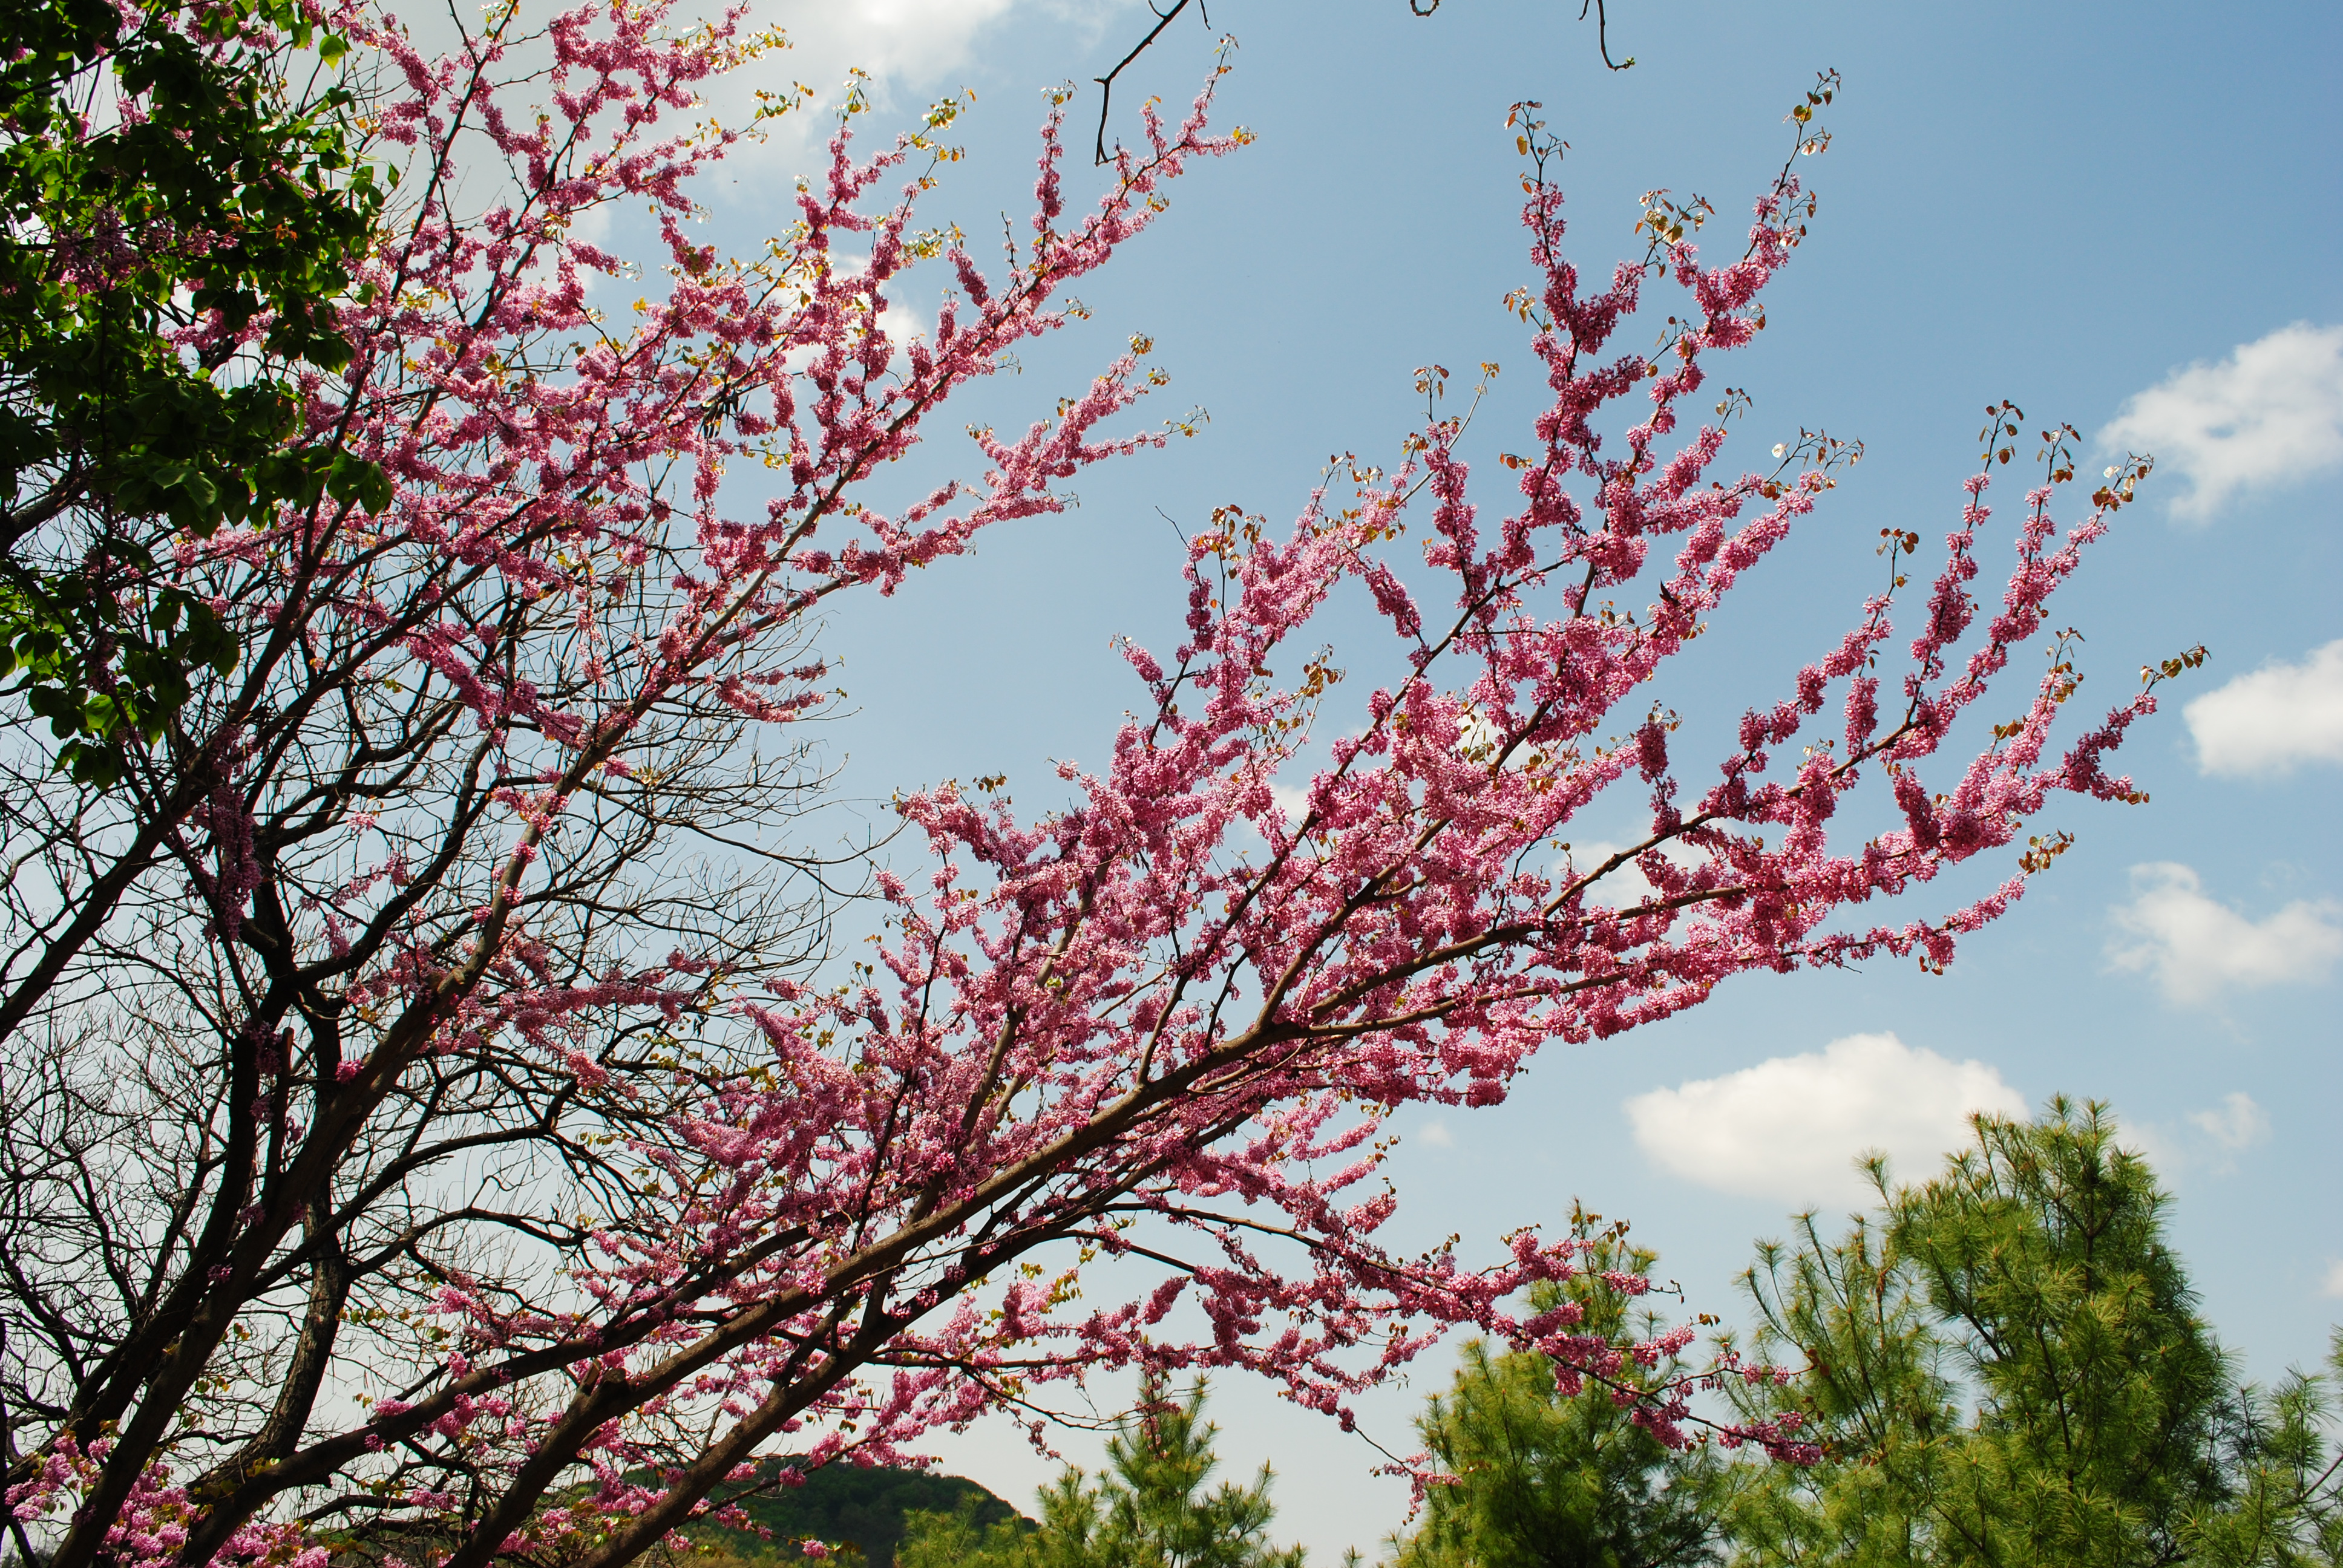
pixel 1106 83
pixel 1418 7
pixel 1602 32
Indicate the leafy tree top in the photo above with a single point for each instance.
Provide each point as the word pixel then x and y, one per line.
pixel 2004 1365
pixel 1544 1466
pixel 183 211
pixel 1154 1507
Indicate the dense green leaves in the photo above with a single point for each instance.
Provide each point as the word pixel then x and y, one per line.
pixel 178 217
pixel 1150 1510
pixel 860 1508
pixel 1539 1479
pixel 2005 1367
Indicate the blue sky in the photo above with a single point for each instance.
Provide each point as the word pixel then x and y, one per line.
pixel 2118 216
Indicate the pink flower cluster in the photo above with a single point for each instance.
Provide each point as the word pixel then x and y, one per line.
pixel 1162 1032
pixel 1167 1026
pixel 150 1530
pixel 1115 1092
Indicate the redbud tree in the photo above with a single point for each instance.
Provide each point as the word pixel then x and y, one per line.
pixel 433 1128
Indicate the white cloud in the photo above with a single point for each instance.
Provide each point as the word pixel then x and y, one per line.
pixel 923 42
pixel 2236 1123
pixel 909 49
pixel 1627 885
pixel 2199 947
pixel 2269 414
pixel 911 52
pixel 2165 1149
pixel 916 40
pixel 1791 1127
pixel 2334 1278
pixel 2266 721
pixel 901 322
pixel 2203 1143
pixel 1435 1135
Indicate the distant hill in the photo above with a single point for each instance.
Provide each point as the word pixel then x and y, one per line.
pixel 844 1503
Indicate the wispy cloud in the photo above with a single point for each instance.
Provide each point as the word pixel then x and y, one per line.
pixel 2197 947
pixel 2334 1278
pixel 2206 1141
pixel 2270 414
pixel 915 41
pixel 1793 1127
pixel 921 47
pixel 910 53
pixel 2266 722
pixel 902 323
pixel 2234 1124
pixel 1627 885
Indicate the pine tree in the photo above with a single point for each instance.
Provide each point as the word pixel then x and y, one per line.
pixel 1150 1510
pixel 2006 1366
pixel 1543 1479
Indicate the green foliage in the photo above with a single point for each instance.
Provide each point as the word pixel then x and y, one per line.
pixel 1875 1393
pixel 2005 1366
pixel 1150 1510
pixel 176 224
pixel 1542 1479
pixel 866 1509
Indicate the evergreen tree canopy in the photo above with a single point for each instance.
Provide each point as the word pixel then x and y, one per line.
pixel 1545 1479
pixel 1150 1510
pixel 2005 1366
